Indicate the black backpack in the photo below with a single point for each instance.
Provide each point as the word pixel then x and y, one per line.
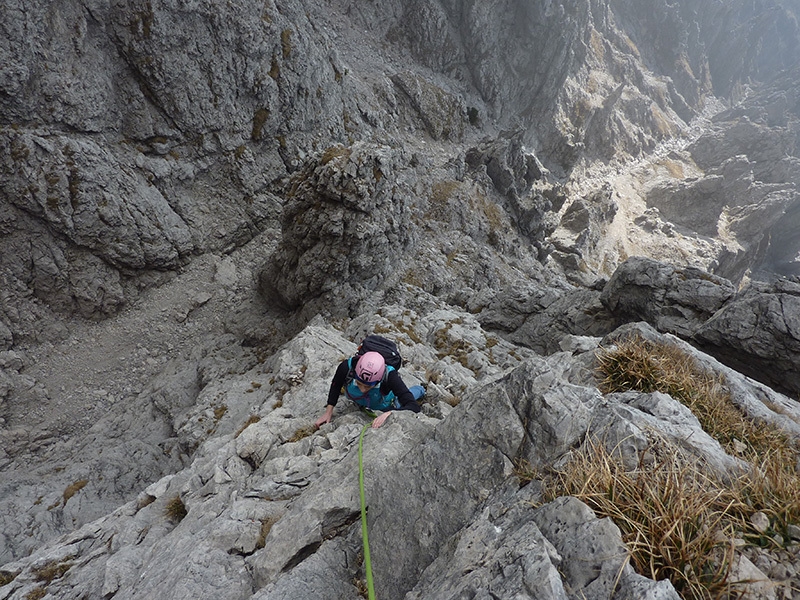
pixel 386 348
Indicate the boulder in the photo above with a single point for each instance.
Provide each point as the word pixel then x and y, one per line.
pixel 673 299
pixel 758 333
pixel 575 312
pixel 558 551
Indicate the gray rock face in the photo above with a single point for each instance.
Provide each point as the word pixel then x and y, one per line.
pixel 458 39
pixel 148 132
pixel 274 514
pixel 749 185
pixel 558 551
pixel 346 224
pixel 583 226
pixel 443 115
pixel 135 134
pixel 81 191
pixel 426 482
pixel 623 430
pixel 511 170
pixel 758 333
pixel 271 513
pixel 673 300
pixel 531 571
pixel 521 180
pixel 540 318
pixel 67 278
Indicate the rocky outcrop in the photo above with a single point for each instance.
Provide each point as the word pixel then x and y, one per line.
pixel 754 331
pixel 758 333
pixel 346 223
pixel 269 509
pixel 583 228
pixel 443 115
pixel 542 317
pixel 562 102
pixel 523 185
pixel 562 537
pixel 673 300
pixel 150 132
pixel 511 170
pixel 748 186
pixel 122 219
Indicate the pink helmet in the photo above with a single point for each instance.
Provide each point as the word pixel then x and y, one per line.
pixel 370 367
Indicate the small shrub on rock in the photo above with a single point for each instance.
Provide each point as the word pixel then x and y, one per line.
pixel 36 593
pixel 7 577
pixel 301 433
pixel 175 510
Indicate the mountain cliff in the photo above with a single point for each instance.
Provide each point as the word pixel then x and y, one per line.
pixel 204 206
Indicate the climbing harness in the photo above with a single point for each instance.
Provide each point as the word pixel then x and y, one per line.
pixel 367 560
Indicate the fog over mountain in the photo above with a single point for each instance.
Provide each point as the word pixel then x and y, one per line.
pixel 205 206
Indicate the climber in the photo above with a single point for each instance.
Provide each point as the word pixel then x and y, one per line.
pixel 372 384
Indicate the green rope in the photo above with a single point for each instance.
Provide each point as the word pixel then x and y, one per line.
pixel 367 561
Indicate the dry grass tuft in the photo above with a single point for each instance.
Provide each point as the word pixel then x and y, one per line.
pixel 50 571
pixel 250 420
pixel 219 412
pixel 266 527
pixel 774 484
pixel 73 489
pixel 646 366
pixel 359 581
pixel 175 510
pixel 773 487
pixel 525 472
pixel 7 577
pixel 303 432
pixel 677 518
pixel 442 191
pixel 361 587
pixel 334 152
pixel 36 593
